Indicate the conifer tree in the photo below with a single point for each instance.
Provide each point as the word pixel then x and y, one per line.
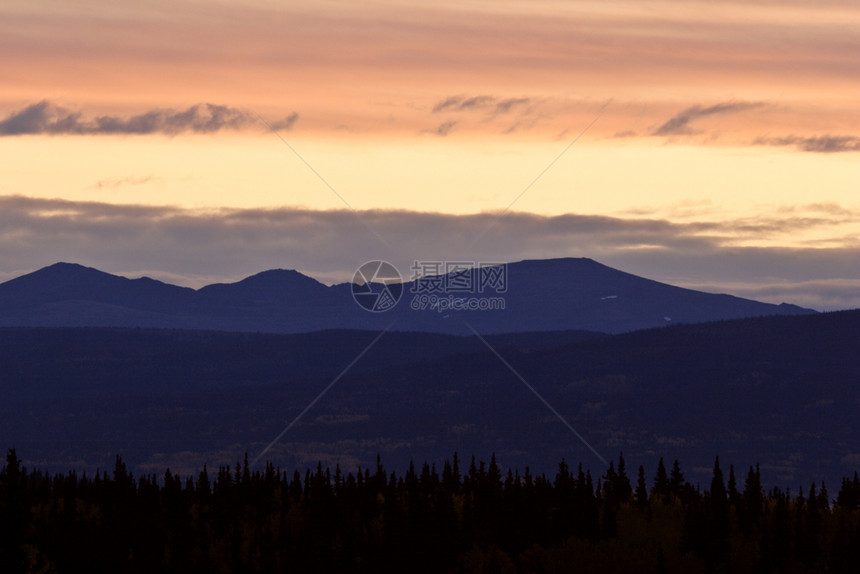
pixel 661 482
pixel 719 516
pixel 641 489
pixel 623 489
pixel 732 488
pixel 752 502
pixel 676 479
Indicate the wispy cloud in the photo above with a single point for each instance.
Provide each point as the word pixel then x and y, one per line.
pixel 444 128
pixel 515 113
pixel 624 134
pixel 460 103
pixel 828 208
pixel 228 244
pixel 818 144
pixel 115 182
pixel 504 106
pixel 45 117
pixel 489 104
pixel 680 123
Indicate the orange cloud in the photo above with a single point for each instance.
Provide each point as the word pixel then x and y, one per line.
pixel 335 66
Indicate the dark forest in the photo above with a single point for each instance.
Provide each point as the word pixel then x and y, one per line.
pixel 468 516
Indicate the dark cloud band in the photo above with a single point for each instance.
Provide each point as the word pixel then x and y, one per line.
pixel 818 144
pixel 48 118
pixel 228 244
pixel 680 123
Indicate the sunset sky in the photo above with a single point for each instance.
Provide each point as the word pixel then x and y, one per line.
pixel 708 144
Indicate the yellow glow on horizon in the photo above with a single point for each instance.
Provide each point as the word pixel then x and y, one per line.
pixel 424 174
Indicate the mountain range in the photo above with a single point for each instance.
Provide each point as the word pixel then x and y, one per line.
pixel 93 365
pixel 538 295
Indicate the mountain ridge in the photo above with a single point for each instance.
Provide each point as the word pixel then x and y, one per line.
pixel 537 295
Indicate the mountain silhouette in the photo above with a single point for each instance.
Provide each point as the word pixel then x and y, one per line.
pixel 537 295
pixel 64 282
pixel 276 286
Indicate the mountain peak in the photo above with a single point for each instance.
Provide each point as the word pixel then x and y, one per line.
pixel 560 261
pixel 279 276
pixel 70 285
pixel 64 267
pixel 272 285
pixel 561 265
pixel 63 273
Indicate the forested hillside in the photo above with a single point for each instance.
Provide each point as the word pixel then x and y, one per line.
pixel 779 391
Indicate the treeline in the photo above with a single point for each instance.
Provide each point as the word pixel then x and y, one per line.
pixel 460 518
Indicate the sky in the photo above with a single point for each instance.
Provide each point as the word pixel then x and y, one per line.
pixel 712 145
